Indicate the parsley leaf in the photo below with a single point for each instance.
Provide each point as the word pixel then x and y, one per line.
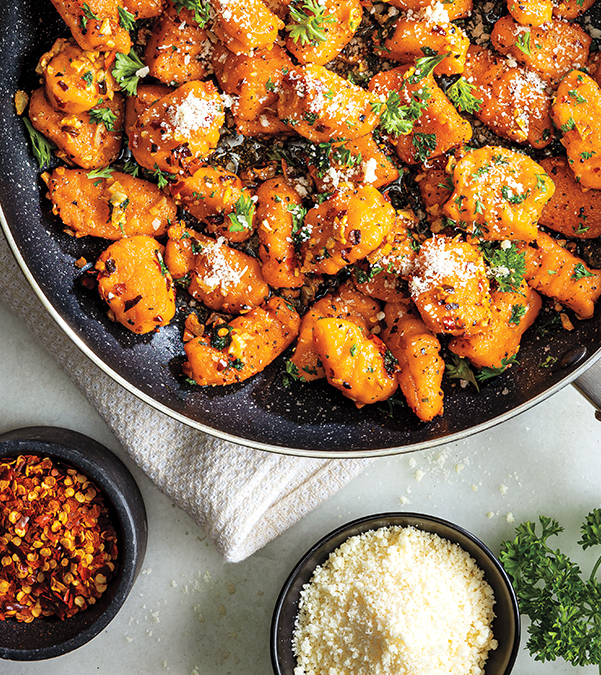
pixel 41 146
pixel 125 71
pixel 523 43
pixel 105 172
pixel 126 19
pixel 308 20
pixel 460 95
pixel 398 119
pixel 242 216
pixel 201 9
pixel 517 314
pixel 580 272
pixel 506 265
pixel 424 145
pixel 104 115
pixel 487 373
pixel 514 197
pixel 424 66
pixel 460 369
pixel 564 608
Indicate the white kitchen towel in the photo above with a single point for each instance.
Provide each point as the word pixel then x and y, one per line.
pixel 242 497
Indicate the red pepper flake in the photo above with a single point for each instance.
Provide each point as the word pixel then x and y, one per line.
pixel 58 546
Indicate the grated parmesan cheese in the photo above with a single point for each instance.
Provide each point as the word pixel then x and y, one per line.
pixel 395 601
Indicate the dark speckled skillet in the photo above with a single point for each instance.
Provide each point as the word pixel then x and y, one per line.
pixel 302 419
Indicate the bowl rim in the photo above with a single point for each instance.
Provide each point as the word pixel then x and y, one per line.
pixel 123 497
pixel 372 522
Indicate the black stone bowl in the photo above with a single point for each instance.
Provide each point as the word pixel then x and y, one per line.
pixel 506 625
pixel 47 637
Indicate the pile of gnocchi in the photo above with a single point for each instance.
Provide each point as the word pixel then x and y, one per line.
pixel 318 252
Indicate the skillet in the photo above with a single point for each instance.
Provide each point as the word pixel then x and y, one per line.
pixel 263 412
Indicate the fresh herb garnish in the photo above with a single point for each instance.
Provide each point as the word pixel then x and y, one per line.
pixel 514 197
pixel 424 66
pixel 398 119
pixel 459 369
pixel 424 145
pixel 126 19
pixel 104 172
pixel 308 19
pixel 506 265
pixel 201 9
pixel 241 217
pixel 460 95
pixel 517 314
pixel 487 373
pixel 104 115
pixel 125 71
pixel 580 272
pixel 523 43
pixel 41 146
pixel 564 608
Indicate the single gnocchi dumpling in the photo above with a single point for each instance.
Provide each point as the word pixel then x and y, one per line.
pixel 498 194
pixel 512 314
pixel 175 133
pixel 91 139
pixel 417 351
pixel 359 366
pixel 232 352
pixel 320 105
pixel 96 25
pixel 136 284
pixel 577 112
pixel 344 228
pixel 75 80
pixel 450 287
pixel 112 207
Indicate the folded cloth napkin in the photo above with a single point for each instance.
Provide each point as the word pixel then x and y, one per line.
pixel 242 497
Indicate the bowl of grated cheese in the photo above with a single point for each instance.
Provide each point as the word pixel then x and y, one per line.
pixel 396 594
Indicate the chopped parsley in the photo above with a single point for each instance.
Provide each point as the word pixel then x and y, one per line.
pixel 105 172
pixel 398 119
pixel 523 43
pixel 506 265
pixel 308 21
pixel 580 272
pixel 125 71
pixel 126 19
pixel 514 197
pixel 517 314
pixel 459 369
pixel 104 115
pixel 424 66
pixel 241 217
pixel 487 373
pixel 460 95
pixel 41 146
pixel 424 145
pixel 201 9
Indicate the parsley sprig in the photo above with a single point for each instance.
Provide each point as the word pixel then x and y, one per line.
pixel 241 217
pixel 506 265
pixel 564 608
pixel 399 119
pixel 201 9
pixel 308 19
pixel 126 67
pixel 104 115
pixel 460 95
pixel 41 146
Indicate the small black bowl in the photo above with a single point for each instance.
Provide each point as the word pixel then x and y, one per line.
pixel 47 637
pixel 506 625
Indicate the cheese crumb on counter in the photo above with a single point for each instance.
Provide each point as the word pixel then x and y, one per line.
pixel 395 601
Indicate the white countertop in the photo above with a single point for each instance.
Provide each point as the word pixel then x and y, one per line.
pixel 191 614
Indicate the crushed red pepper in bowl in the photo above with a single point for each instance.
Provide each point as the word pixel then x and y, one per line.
pixel 58 545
